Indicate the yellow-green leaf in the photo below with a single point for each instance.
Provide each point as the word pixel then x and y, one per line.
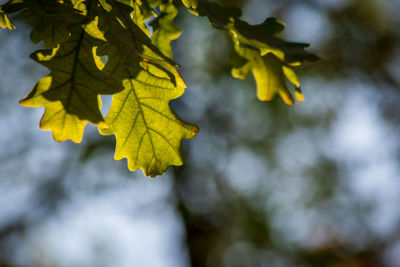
pixel 131 40
pixel 268 71
pixel 258 50
pixel 165 31
pixel 70 94
pixel 55 118
pixel 148 133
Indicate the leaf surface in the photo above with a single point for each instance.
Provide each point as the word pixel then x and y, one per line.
pixel 165 31
pixel 74 83
pixel 259 51
pixel 147 131
pixel 50 20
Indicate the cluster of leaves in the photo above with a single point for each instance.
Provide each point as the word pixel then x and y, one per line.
pixel 104 47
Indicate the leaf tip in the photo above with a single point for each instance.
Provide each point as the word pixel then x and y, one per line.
pixel 195 130
pixel 287 98
pixel 5 22
pixel 22 102
pixel 60 136
pixel 299 95
pixel 103 125
pixel 152 172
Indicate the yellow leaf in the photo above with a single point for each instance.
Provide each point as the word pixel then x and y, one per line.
pixel 5 22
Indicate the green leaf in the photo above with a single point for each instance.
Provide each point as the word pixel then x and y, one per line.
pixel 165 31
pixel 219 16
pixel 50 20
pixel 148 133
pixel 139 71
pixel 70 94
pixel 140 11
pixel 120 31
pixel 258 50
pixel 268 74
pixel 55 118
pixel 268 71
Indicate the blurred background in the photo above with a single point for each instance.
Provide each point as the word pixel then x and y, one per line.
pixel 264 184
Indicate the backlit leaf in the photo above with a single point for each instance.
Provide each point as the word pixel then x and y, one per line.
pixel 148 133
pixel 165 30
pixel 258 50
pixel 55 118
pixel 97 47
pixel 49 18
pixel 75 83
